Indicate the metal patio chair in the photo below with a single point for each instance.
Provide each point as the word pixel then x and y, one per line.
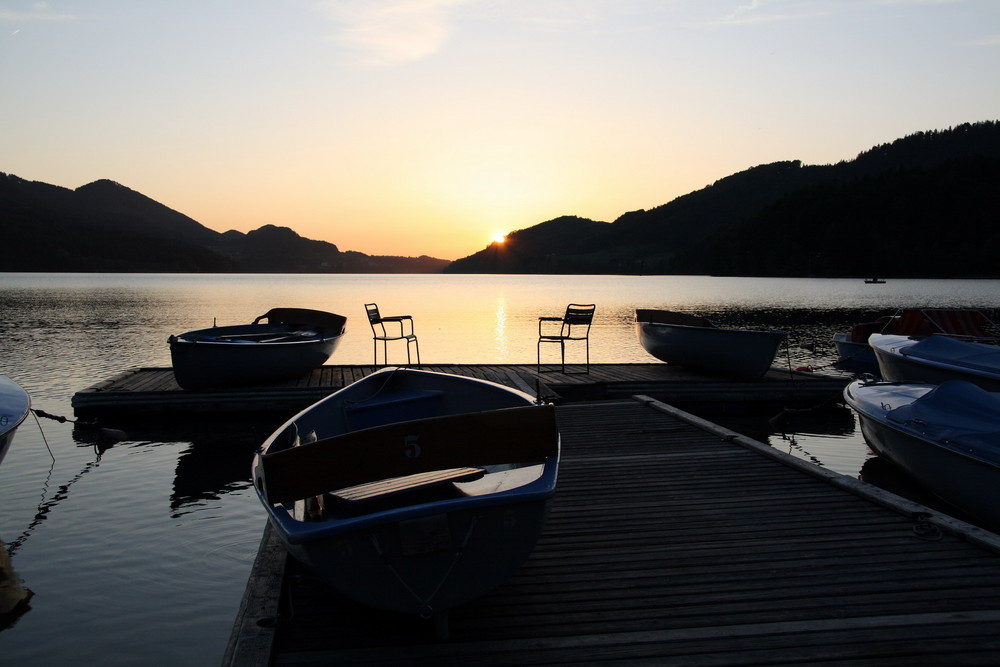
pixel 381 333
pixel 574 325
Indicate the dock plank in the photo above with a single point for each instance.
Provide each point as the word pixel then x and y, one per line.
pixel 154 391
pixel 671 540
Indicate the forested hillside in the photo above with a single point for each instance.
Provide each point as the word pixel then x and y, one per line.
pixel 924 205
pixel 106 227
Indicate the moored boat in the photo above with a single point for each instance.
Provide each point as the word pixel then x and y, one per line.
pixel 410 490
pixel 15 404
pixel 853 346
pixel 947 437
pixel 292 342
pixel 936 359
pixel 694 342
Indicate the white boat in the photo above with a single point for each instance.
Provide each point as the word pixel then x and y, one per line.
pixel 410 490
pixel 853 346
pixel 936 359
pixel 693 342
pixel 854 351
pixel 291 343
pixel 15 404
pixel 947 437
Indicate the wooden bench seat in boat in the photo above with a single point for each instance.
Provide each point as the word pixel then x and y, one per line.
pixel 507 436
pixel 385 494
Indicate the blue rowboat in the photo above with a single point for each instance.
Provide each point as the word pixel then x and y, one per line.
pixel 410 490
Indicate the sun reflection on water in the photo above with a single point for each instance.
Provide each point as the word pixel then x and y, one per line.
pixel 500 330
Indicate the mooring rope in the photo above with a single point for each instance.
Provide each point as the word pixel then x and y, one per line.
pixel 60 418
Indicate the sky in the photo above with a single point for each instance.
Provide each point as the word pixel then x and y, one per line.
pixel 431 127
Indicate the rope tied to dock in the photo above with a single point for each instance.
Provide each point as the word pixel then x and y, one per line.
pixel 61 418
pixel 105 436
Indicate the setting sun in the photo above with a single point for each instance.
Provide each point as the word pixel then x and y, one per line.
pixel 499 238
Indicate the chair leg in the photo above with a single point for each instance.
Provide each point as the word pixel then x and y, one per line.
pixel 538 362
pixel 587 364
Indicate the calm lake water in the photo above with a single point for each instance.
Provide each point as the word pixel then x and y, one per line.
pixel 138 554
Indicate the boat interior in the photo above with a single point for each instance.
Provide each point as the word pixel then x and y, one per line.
pixel 387 463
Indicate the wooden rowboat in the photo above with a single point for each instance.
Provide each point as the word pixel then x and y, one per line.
pixel 292 342
pixel 693 342
pixel 410 490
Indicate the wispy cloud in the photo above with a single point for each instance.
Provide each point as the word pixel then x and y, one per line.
pixel 988 40
pixel 919 2
pixel 772 11
pixel 39 11
pixel 388 32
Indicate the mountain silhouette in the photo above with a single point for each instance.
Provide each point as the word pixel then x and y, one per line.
pixel 106 227
pixel 925 205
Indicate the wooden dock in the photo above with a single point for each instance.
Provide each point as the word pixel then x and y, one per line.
pixel 144 392
pixel 674 541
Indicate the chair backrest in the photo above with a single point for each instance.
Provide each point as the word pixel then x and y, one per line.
pixel 374 318
pixel 578 315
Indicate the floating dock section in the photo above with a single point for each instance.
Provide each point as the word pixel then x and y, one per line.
pixel 674 541
pixel 145 392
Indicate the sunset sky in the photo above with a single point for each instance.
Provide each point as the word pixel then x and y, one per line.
pixel 412 127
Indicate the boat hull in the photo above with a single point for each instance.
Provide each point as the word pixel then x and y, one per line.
pixel 249 354
pixel 736 353
pixel 15 404
pixel 431 554
pixel 954 453
pixel 853 351
pixel 936 359
pixel 430 563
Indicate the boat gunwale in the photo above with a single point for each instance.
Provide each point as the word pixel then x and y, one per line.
pixel 864 409
pixel 294 531
pixel 898 347
pixel 14 423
